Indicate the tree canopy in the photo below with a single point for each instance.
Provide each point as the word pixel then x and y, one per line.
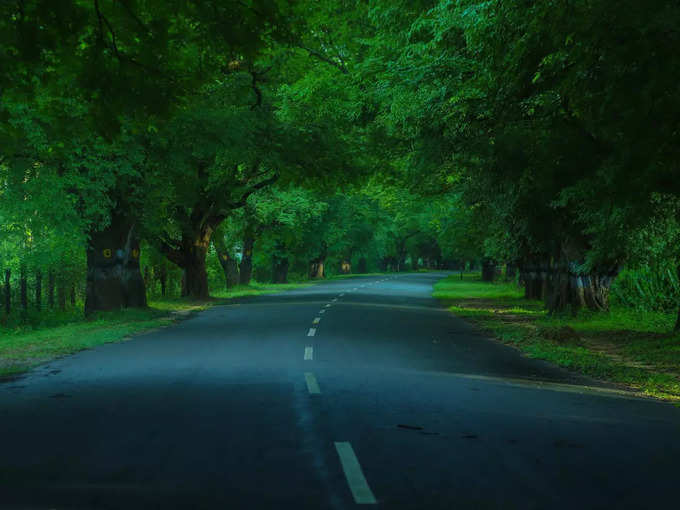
pixel 303 139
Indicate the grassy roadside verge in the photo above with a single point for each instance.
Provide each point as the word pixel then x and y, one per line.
pixel 623 346
pixel 23 348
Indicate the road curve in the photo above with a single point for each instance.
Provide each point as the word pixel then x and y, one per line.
pixel 355 392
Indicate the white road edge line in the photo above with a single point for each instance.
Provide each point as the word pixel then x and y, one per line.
pixel 316 320
pixel 355 477
pixel 312 385
pixel 311 332
pixel 309 352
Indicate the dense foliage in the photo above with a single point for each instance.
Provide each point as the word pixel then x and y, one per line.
pixel 172 147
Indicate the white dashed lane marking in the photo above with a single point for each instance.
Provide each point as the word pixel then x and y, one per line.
pixel 316 320
pixel 322 311
pixel 311 332
pixel 355 476
pixel 309 352
pixel 312 385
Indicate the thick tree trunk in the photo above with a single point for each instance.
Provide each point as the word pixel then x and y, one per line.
pixel 488 270
pixel 362 266
pixel 8 292
pixel 280 269
pixel 114 279
pixel 195 273
pixel 345 267
pixel 230 268
pixel 571 291
pixel 246 267
pixel 38 290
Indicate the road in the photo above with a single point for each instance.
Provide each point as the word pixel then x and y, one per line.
pixel 357 392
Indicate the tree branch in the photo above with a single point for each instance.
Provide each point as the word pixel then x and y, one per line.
pixel 324 58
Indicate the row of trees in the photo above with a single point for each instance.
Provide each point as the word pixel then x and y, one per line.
pixel 540 135
pixel 551 126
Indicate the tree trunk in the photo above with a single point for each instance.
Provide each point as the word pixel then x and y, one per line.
pixel 280 269
pixel 677 320
pixel 317 269
pixel 8 292
pixel 246 268
pixel 73 294
pixel 61 293
pixel 230 268
pixel 114 279
pixel 195 274
pixel 23 290
pixel 510 272
pixel 38 290
pixel 362 266
pixel 570 290
pixel 345 267
pixel 163 277
pixel 50 288
pixel 488 270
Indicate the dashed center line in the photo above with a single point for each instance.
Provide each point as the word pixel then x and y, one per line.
pixel 322 311
pixel 334 299
pixel 311 332
pixel 342 294
pixel 316 320
pixel 309 352
pixel 355 476
pixel 312 385
pixel 327 306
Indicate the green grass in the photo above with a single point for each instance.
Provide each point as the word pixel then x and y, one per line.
pixel 623 346
pixel 24 347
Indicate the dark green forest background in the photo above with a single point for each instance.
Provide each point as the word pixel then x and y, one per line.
pixel 165 147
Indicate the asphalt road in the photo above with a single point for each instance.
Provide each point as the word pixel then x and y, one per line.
pixel 398 405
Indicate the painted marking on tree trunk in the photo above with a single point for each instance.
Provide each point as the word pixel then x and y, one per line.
pixel 312 385
pixel 311 332
pixel 309 352
pixel 316 320
pixel 355 476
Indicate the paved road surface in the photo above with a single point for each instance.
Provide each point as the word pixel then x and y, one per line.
pixel 355 392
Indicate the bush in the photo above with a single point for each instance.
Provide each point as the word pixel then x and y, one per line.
pixel 648 288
